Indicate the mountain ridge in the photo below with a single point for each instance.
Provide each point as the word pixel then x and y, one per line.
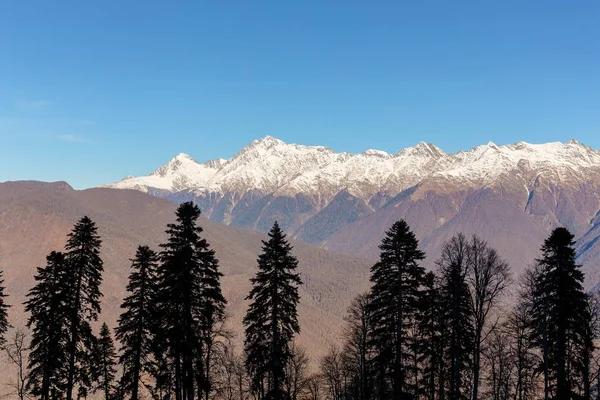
pixel 271 165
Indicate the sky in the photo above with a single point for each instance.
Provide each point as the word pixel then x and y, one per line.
pixel 92 91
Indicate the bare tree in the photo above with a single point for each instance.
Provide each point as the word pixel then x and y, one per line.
pixel 296 372
pixel 16 352
pixel 332 369
pixel 488 277
pixel 230 381
pixel 314 384
pixel 500 364
pixel 358 350
pixel 526 361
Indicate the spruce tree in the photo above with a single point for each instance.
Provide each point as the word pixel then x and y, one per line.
pixel 458 319
pixel 190 302
pixel 135 331
pixel 4 325
pixel 562 321
pixel 84 272
pixel 272 319
pixel 106 356
pixel 48 320
pixel 395 299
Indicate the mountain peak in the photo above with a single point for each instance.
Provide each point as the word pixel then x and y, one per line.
pixel 267 141
pixel 378 153
pixel 183 157
pixel 423 149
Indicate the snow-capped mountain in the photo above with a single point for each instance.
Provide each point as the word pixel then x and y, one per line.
pixel 182 172
pixel 512 194
pixel 271 166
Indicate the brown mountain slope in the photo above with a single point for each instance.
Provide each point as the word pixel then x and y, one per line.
pixel 36 217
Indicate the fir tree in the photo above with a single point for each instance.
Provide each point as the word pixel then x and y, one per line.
pixel 48 320
pixel 106 356
pixel 457 317
pixel 135 331
pixel 84 272
pixel 395 299
pixel 272 319
pixel 562 321
pixel 4 325
pixel 190 301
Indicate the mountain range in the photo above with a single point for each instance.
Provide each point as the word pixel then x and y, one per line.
pixel 511 195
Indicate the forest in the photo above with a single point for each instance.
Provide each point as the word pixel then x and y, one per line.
pixel 469 329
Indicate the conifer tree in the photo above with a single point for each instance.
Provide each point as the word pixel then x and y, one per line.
pixel 272 319
pixel 395 299
pixel 48 320
pixel 84 273
pixel 106 356
pixel 4 325
pixel 190 302
pixel 135 331
pixel 562 321
pixel 457 317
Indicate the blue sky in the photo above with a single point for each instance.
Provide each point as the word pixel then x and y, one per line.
pixel 96 90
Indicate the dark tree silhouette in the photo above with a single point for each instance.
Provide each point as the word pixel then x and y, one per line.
pixel 190 302
pixel 135 330
pixel 358 349
pixel 272 319
pixel 106 356
pixel 4 325
pixel 458 317
pixel 561 318
pixel 84 274
pixel 49 321
pixel 488 277
pixel 395 299
pixel 430 340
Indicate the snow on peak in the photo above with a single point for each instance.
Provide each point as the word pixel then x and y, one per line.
pixel 271 165
pixel 181 172
pixel 422 149
pixel 377 153
pixel 266 141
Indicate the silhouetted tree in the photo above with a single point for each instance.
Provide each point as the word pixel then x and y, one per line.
pixel 190 302
pixel 358 351
pixel 136 326
pixel 458 317
pixel 49 321
pixel 561 318
pixel 430 338
pixel 296 372
pixel 4 325
pixel 106 356
pixel 488 277
pixel 84 274
pixel 272 319
pixel 395 299
pixel 526 371
pixel 334 373
pixel 16 352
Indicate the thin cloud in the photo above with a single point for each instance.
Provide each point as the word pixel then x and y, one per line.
pixel 72 139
